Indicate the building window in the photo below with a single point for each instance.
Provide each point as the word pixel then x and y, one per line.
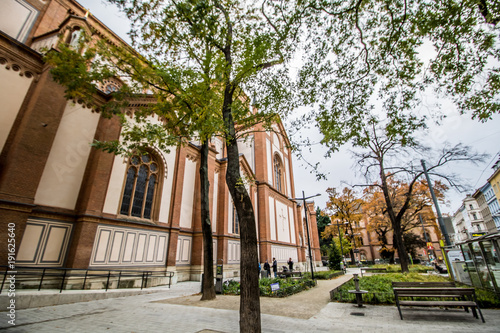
pixel 110 88
pixel 278 174
pixel 471 207
pixel 235 221
pixel 474 216
pixel 75 38
pixel 140 186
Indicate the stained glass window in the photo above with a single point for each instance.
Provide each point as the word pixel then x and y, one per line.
pixel 140 185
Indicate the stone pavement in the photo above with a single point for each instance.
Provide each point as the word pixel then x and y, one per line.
pixel 144 314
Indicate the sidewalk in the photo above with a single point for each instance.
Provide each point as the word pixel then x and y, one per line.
pixel 153 312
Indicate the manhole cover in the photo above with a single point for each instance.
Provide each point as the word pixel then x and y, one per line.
pixel 357 314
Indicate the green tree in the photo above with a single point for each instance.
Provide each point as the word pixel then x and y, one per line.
pixel 367 57
pixel 322 221
pixel 188 105
pixel 202 53
pixel 334 258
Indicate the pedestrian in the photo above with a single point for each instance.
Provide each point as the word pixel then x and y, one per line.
pixel 259 269
pixel 290 264
pixel 267 268
pixel 275 267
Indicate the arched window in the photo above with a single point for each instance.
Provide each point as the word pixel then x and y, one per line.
pixel 74 38
pixel 236 222
pixel 110 87
pixel 278 173
pixel 141 186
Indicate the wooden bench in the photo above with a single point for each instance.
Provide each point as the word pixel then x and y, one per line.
pixel 461 297
pixel 371 269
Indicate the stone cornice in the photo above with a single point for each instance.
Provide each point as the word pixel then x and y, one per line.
pixel 19 58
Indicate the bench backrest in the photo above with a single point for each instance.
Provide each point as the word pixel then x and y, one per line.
pixel 423 284
pixel 409 292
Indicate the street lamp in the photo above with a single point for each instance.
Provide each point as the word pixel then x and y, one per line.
pixel 307 227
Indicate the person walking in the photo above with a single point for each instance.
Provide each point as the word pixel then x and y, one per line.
pixel 275 267
pixel 267 268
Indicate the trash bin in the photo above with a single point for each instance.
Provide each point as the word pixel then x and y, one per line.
pixel 218 279
pixel 218 285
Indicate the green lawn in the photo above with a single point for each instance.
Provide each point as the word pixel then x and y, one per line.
pixel 380 289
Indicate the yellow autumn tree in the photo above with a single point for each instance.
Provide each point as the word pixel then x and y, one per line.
pixel 346 210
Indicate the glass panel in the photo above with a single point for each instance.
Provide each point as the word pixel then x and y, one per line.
pixel 493 263
pixel 149 197
pixel 153 167
pixel 146 158
pixel 127 193
pixel 135 160
pixel 482 269
pixel 140 188
pixel 470 267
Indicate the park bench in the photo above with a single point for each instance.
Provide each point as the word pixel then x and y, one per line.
pixel 371 269
pixel 440 294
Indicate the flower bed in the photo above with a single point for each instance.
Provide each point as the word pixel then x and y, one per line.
pixel 287 287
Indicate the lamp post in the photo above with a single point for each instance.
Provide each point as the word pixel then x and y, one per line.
pixel 307 227
pixel 436 205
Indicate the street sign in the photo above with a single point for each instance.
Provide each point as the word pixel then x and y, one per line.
pixel 429 246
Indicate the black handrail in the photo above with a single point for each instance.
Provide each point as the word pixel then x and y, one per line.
pixel 67 273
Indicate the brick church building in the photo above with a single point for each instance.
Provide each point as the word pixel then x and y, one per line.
pixel 78 207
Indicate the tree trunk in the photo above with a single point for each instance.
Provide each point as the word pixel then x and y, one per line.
pixel 395 221
pixel 400 246
pixel 249 281
pixel 208 252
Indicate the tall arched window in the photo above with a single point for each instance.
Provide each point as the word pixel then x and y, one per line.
pixel 140 186
pixel 236 222
pixel 278 173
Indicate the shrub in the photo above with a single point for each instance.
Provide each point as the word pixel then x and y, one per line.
pixel 287 286
pixel 334 258
pixel 324 275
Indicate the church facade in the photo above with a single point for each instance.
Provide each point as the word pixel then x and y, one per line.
pixel 75 206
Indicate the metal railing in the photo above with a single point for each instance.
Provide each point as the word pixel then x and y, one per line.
pixel 30 275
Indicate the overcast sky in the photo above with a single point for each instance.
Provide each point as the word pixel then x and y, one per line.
pixel 456 128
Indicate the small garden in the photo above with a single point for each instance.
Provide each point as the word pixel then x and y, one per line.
pixel 379 289
pixel 287 286
pixel 397 268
